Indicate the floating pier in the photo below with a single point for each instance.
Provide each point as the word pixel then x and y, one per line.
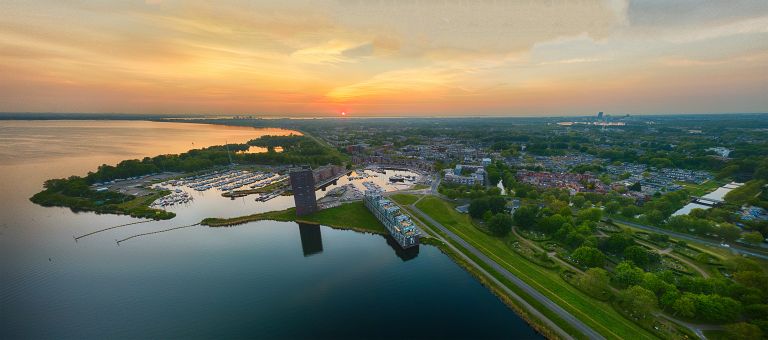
pixel 155 232
pixel 105 229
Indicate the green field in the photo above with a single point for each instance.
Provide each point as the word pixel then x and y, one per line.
pixel 745 193
pixel 405 199
pixel 703 188
pixel 353 216
pixel 716 335
pixel 540 326
pixel 598 315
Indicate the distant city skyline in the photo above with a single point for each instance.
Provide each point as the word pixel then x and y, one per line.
pixel 369 58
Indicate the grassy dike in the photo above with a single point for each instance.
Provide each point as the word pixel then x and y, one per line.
pixel 597 314
pixel 532 320
pixel 353 216
pixel 511 302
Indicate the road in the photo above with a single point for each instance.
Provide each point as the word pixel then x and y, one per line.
pixel 435 184
pixel 565 315
pixel 668 252
pixel 692 238
pixel 522 302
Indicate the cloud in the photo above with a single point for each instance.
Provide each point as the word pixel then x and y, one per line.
pixel 425 56
pixel 480 27
pixel 661 14
pixel 747 26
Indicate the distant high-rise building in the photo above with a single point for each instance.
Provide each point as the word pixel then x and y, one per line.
pixel 303 187
pixel 600 115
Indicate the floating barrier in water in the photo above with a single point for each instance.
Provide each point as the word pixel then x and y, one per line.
pixel 155 232
pixel 105 229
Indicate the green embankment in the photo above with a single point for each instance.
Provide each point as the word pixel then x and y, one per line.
pixel 746 193
pixel 405 199
pixel 353 216
pixel 703 188
pixel 492 286
pixel 598 315
pixel 534 321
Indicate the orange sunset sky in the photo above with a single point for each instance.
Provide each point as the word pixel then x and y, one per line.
pixel 373 57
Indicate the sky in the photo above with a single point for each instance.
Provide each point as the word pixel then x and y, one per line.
pixel 384 57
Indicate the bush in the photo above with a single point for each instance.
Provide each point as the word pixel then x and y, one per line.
pixel 589 257
pixel 500 224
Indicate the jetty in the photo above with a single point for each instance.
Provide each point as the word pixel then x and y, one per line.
pixel 109 228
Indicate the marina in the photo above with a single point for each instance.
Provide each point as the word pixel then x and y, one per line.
pixel 245 273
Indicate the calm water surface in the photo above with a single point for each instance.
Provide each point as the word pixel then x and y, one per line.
pixel 259 280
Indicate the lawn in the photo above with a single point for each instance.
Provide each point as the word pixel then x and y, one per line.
pixel 745 193
pixel 405 199
pixel 716 335
pixel 598 315
pixel 353 216
pixel 703 188
pixel 536 304
pixel 144 201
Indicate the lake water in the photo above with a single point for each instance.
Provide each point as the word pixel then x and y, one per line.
pixel 262 279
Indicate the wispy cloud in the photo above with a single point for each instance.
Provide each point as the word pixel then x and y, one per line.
pixel 314 56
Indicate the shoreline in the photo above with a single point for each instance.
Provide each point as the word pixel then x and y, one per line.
pixel 288 215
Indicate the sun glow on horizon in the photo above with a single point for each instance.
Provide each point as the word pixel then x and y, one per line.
pixel 299 57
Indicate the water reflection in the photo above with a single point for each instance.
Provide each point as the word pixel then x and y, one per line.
pixel 312 242
pixel 54 288
pixel 403 254
pixel 311 239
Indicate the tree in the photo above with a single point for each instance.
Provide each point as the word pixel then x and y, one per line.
pixel 638 300
pixel 654 217
pixel 669 297
pixel 550 224
pixel 595 282
pixel 754 237
pixel 638 255
pixel 612 207
pixel 589 257
pixel 685 306
pixel 478 206
pixel 487 216
pixel 630 211
pixel 590 215
pixel 701 226
pixel 525 216
pixel 617 242
pixel 752 279
pixel 729 232
pixel 578 201
pixel 703 258
pixel 707 307
pixel 497 204
pixel 500 224
pixel 627 274
pixel 743 330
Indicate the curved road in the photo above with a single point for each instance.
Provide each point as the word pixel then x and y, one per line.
pixel 565 315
